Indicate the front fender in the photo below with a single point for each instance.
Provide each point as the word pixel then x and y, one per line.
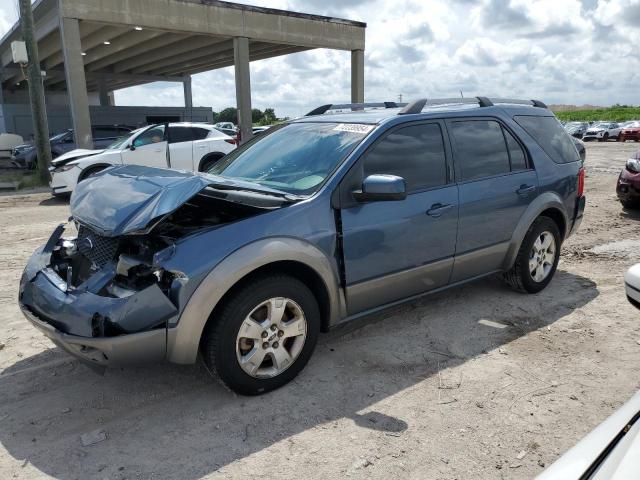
pixel 183 341
pixel 543 202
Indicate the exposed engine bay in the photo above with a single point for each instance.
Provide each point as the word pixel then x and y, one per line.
pixel 128 265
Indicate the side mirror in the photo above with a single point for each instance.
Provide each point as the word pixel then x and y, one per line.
pixel 376 188
pixel 131 147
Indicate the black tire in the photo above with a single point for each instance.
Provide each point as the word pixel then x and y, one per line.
pixel 209 162
pixel 520 277
pixel 218 345
pixel 630 204
pixel 90 172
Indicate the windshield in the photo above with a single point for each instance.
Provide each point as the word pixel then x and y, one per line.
pixel 122 141
pixel 58 136
pixel 295 158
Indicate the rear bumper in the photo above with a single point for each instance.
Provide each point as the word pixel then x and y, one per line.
pixel 579 213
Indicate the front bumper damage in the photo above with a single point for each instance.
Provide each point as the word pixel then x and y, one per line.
pixel 99 328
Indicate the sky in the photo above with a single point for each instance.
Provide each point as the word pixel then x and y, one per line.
pixel 559 51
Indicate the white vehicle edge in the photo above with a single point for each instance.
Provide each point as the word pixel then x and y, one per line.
pixel 196 154
pixel 612 450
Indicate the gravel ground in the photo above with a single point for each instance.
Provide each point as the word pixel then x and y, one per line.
pixel 476 382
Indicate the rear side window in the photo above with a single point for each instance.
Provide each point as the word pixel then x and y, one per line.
pixel 414 153
pixel 516 154
pixel 480 148
pixel 199 133
pixel 551 137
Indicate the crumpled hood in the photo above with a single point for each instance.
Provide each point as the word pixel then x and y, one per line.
pixel 74 155
pixel 127 198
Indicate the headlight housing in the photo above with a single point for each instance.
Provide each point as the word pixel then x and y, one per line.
pixel 64 168
pixel 633 165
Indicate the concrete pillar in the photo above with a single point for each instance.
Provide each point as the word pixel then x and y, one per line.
pixel 357 76
pixel 112 99
pixel 188 97
pixel 104 93
pixel 76 81
pixel 243 87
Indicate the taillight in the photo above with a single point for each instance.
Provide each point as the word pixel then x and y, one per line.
pixel 232 141
pixel 581 182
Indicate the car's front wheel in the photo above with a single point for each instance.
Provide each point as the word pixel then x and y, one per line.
pixel 263 335
pixel 537 258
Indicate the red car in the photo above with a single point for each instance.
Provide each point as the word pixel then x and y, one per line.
pixel 630 132
pixel 628 188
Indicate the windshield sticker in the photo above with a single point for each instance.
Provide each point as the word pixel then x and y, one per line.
pixel 353 128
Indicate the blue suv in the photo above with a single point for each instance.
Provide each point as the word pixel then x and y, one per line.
pixel 318 221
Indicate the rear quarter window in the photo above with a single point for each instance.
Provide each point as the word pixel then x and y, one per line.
pixel 552 138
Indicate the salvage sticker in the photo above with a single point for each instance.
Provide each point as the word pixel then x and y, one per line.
pixel 353 128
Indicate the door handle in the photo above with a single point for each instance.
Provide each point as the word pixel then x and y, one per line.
pixel 437 209
pixel 525 190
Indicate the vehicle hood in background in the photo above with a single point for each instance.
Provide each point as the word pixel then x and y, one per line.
pixel 74 155
pixel 131 198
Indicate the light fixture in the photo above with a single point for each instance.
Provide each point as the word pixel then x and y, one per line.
pixel 84 54
pixel 107 42
pixel 137 28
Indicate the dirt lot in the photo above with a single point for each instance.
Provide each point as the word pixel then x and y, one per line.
pixel 457 385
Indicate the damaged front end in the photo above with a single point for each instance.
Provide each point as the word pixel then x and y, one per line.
pixel 103 294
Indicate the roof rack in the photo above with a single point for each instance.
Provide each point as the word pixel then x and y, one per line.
pixel 418 105
pixel 352 106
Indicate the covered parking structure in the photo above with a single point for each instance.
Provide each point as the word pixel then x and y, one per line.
pixel 97 46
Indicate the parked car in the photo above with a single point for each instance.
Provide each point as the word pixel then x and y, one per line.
pixel 25 156
pixel 602 132
pixel 9 141
pixel 228 131
pixel 316 222
pixel 609 452
pixel 226 126
pixel 576 129
pixel 632 285
pixel 628 186
pixel 188 146
pixel 630 131
pixel 257 130
pixel 582 151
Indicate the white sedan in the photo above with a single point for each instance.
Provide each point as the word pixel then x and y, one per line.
pixel 182 146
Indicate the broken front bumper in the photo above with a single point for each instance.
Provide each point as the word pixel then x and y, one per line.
pixel 74 319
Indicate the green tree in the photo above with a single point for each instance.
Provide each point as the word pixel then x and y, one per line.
pixel 256 115
pixel 229 114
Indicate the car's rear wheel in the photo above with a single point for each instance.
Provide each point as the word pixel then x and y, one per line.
pixel 537 258
pixel 630 204
pixel 210 161
pixel 262 336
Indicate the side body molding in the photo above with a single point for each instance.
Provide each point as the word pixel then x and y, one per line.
pixel 543 202
pixel 183 341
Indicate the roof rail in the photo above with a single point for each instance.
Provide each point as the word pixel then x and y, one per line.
pixel 515 101
pixel 418 105
pixel 351 106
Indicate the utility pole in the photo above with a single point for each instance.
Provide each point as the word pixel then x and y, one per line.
pixel 36 91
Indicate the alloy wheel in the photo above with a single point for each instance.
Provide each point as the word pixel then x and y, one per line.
pixel 542 256
pixel 271 337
